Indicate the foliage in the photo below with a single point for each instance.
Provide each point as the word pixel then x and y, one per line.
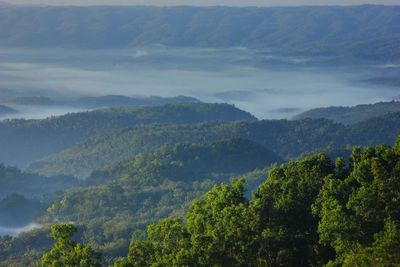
pixel 23 141
pixel 309 212
pixel 358 208
pixel 68 253
pixel 286 138
pixel 151 187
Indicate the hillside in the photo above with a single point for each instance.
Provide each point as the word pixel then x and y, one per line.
pixel 14 181
pixel 362 31
pixel 289 139
pixel 351 115
pixel 286 138
pixel 152 186
pixel 23 141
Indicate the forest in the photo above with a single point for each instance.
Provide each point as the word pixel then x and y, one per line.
pixel 367 31
pixel 160 135
pixel 204 191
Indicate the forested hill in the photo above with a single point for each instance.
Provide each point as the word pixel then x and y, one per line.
pixel 286 138
pixel 289 139
pixel 154 185
pixel 23 141
pixel 360 31
pixel 351 115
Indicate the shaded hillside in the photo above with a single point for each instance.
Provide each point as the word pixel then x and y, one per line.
pixel 14 181
pixel 286 138
pixel 363 31
pixel 289 139
pixel 23 141
pixel 351 115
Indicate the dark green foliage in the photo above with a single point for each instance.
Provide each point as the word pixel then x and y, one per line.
pixel 363 31
pixel 12 180
pixel 25 249
pixel 352 115
pixel 359 209
pixel 309 212
pixel 68 253
pixel 286 138
pixel 149 187
pixel 23 141
pixel 382 130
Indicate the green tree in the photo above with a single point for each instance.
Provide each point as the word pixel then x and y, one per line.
pixel 286 225
pixel 359 213
pixel 67 253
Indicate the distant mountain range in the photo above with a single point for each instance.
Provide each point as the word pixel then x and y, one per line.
pixel 360 31
pixel 352 115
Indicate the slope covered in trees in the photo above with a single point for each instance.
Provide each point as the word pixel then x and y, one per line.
pixel 361 31
pixel 23 141
pixel 309 212
pixel 352 115
pixel 288 139
pixel 153 186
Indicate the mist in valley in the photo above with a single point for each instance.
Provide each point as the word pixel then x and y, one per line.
pixel 269 86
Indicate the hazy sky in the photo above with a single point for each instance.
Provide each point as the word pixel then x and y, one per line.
pixel 206 2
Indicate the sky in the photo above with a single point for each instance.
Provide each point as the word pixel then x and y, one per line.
pixel 206 2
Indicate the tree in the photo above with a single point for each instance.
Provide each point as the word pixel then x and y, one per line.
pixel 359 213
pixel 67 253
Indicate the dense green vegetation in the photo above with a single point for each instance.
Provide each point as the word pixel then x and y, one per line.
pixel 68 253
pixel 153 171
pixel 288 139
pixel 24 249
pixel 23 141
pixel 309 212
pixel 352 115
pixel 363 31
pixel 153 186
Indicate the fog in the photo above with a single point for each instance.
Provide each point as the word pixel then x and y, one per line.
pixel 15 231
pixel 267 85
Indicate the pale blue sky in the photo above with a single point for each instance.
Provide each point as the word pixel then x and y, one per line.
pixel 206 2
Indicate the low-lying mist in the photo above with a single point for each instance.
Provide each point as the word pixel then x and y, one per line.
pixel 15 231
pixel 267 85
